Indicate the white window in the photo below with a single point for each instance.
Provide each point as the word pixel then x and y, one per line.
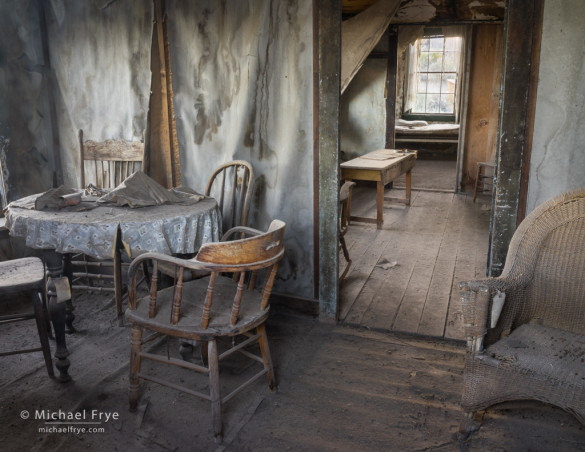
pixel 433 82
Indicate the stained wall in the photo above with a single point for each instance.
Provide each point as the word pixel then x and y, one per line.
pixel 558 151
pixel 243 90
pixel 242 77
pixel 25 127
pixel 363 110
pixel 100 53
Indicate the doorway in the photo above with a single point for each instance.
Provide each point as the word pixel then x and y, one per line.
pixel 405 277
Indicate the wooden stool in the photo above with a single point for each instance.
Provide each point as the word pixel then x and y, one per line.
pixel 27 275
pixel 486 180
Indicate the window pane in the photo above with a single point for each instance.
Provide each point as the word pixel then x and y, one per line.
pixel 435 61
pixel 448 82
pixel 423 62
pixel 434 85
pixel 435 79
pixel 453 44
pixel 436 44
pixel 419 103
pixel 451 61
pixel 447 103
pixel 433 102
pixel 422 83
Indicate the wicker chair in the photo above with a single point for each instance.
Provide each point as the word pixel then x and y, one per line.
pixel 535 349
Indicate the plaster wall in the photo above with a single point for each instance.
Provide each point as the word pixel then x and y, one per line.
pixel 363 110
pixel 558 151
pixel 25 128
pixel 243 90
pixel 242 75
pixel 100 52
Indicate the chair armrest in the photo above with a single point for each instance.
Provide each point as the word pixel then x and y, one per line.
pixel 186 263
pixel 241 230
pixel 476 302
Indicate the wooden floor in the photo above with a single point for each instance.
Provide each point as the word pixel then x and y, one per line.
pixel 405 277
pixel 339 389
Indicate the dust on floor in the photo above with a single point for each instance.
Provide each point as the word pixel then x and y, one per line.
pixel 340 388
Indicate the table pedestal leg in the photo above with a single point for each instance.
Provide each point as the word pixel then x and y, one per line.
pixel 58 315
pixel 69 308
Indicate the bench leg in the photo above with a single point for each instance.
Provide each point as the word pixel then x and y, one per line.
pixel 379 204
pixel 408 184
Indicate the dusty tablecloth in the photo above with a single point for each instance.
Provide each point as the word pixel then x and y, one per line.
pixel 139 190
pixel 168 228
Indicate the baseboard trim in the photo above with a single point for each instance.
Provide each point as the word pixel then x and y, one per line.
pixel 306 306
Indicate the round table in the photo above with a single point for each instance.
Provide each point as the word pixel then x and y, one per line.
pixel 101 232
pixel 167 228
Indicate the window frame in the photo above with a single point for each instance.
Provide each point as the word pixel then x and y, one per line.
pixel 434 116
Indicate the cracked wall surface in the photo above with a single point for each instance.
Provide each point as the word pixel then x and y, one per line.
pixel 558 152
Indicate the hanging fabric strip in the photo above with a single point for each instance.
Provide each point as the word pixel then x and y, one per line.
pixel 360 34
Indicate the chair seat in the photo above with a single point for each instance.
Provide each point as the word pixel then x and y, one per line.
pixel 189 325
pixel 20 275
pixel 548 352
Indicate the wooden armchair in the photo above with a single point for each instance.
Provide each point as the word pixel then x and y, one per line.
pixel 104 164
pixel 209 309
pixel 535 348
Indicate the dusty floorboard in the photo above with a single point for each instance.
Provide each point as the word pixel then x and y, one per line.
pixel 340 389
pixel 405 277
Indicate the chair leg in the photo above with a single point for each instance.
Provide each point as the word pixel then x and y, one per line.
pixel 469 425
pixel 135 366
pixel 42 329
pixel 204 352
pixel 214 389
pixel 344 249
pixel 118 285
pixel 346 256
pixel 47 318
pixel 263 341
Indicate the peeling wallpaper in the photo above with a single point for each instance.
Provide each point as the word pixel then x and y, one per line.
pixel 558 151
pixel 242 78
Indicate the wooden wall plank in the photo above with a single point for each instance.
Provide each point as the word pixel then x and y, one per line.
pixel 481 125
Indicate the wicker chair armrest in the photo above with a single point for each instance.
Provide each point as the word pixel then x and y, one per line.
pixel 476 302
